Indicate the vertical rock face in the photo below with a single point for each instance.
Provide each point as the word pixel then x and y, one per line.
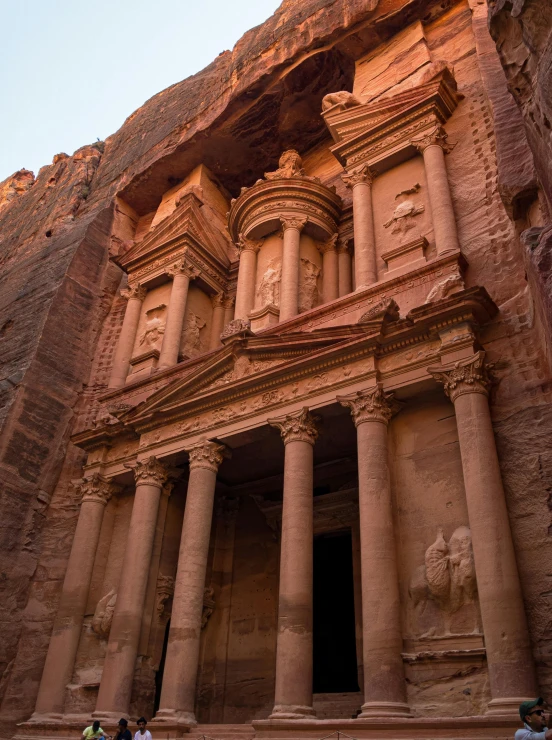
pixel 170 176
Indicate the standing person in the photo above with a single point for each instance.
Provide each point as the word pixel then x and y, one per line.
pixel 144 734
pixel 123 733
pixel 534 721
pixel 94 732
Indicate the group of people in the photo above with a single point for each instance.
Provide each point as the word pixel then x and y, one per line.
pixel 95 732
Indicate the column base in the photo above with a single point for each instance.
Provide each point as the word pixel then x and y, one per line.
pixel 173 717
pixel 384 709
pixel 506 707
pixel 113 717
pixel 46 718
pixel 292 711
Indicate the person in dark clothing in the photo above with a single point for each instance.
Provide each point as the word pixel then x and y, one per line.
pixel 123 733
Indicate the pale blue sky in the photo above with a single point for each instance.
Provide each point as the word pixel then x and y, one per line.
pixel 71 71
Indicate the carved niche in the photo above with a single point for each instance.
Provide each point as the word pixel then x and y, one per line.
pixel 152 335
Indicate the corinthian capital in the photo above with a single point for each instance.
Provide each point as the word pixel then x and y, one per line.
pixel 218 300
pixel 370 405
pixel 293 222
pixel 248 245
pixel 435 137
pixel 149 472
pixel 362 174
pixel 343 246
pixel 183 267
pixel 136 291
pixel 300 427
pixel 465 376
pixel 97 489
pixel 330 245
pixel 207 454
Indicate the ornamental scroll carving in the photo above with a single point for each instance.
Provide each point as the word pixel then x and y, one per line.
pixel 298 427
pixel 373 404
pixel 103 614
pixel 465 376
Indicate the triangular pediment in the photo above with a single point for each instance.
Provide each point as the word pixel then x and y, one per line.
pixel 186 224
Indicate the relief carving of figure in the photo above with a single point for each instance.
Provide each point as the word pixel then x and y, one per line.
pixel 193 344
pixel 269 287
pixel 341 99
pixel 289 165
pixel 154 329
pixel 103 614
pixel 448 576
pixel 208 605
pixel 308 292
pixel 402 221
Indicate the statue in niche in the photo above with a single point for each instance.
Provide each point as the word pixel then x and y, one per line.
pixel 308 291
pixel 289 165
pixel 269 287
pixel 193 344
pixel 103 614
pixel 154 329
pixel 447 578
pixel 402 222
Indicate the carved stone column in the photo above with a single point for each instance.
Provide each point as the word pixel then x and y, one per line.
pixel 182 272
pixel 118 670
pixel 360 181
pixel 509 657
pixel 247 275
pixel 384 682
pixel 217 322
pixel 293 694
pixel 291 261
pixel 433 147
pixel 330 270
pixel 135 295
pixel 181 666
pixel 58 668
pixel 229 310
pixel 345 268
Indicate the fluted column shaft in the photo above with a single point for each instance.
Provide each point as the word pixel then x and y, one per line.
pixel 384 681
pixel 247 275
pixel 181 274
pixel 181 665
pixel 360 181
pixel 122 648
pixel 291 261
pixel 121 362
pixel 345 269
pixel 433 147
pixel 509 656
pixel 330 270
pixel 217 321
pixel 293 693
pixel 64 641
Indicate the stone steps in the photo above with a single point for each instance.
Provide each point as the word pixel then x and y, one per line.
pixel 222 732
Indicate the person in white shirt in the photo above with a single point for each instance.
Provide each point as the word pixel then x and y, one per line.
pixel 142 733
pixel 534 721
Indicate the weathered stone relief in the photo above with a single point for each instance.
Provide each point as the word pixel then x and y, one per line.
pixel 268 291
pixel 446 579
pixel 193 341
pixel 339 100
pixel 453 283
pixel 290 164
pixel 165 591
pixel 309 295
pixel 103 614
pixel 208 605
pixel 152 336
pixel 402 223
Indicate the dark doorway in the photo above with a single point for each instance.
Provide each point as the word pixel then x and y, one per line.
pixel 160 670
pixel 335 664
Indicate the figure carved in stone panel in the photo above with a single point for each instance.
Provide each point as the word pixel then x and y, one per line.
pixel 402 223
pixel 447 579
pixel 268 291
pixel 193 342
pixel 309 295
pixel 103 614
pixel 152 336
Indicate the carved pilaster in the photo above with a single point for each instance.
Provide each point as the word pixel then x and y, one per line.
pixel 362 174
pixel 248 245
pixel 183 267
pixel 96 489
pixel 329 246
pixel 136 291
pixel 293 222
pixel 465 376
pixel 373 404
pixel 149 472
pixel 207 455
pixel 435 137
pixel 300 426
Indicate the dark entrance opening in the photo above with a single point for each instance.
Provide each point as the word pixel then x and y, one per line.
pixel 160 670
pixel 334 660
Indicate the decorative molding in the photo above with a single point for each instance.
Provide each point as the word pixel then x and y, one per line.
pixel 298 427
pixel 137 291
pixel 371 405
pixel 360 175
pixel 149 472
pixel 436 137
pixel 290 222
pixel 207 454
pixel 465 376
pixel 96 489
